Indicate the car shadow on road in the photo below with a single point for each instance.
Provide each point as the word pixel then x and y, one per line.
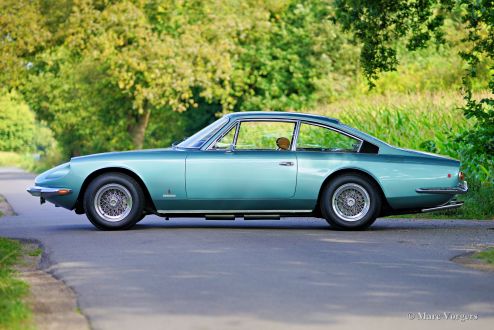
pixel 388 225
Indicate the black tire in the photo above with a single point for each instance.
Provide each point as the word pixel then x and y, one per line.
pixel 114 184
pixel 341 215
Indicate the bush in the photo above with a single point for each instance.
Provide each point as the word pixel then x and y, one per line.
pixel 17 124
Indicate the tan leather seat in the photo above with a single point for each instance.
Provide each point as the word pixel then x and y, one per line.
pixel 283 143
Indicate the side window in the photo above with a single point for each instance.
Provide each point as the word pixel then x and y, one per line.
pixel 265 135
pixel 317 138
pixel 224 142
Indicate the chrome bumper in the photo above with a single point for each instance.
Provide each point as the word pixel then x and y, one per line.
pixel 461 188
pixel 448 206
pixel 48 192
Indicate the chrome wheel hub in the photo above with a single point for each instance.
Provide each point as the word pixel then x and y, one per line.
pixel 351 202
pixel 113 202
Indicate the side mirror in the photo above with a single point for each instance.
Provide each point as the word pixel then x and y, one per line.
pixel 231 148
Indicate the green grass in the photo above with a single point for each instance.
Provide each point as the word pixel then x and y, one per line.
pixel 1 200
pixel 486 255
pixel 14 314
pixel 36 252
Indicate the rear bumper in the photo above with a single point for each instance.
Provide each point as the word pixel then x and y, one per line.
pixel 461 188
pixel 448 206
pixel 45 192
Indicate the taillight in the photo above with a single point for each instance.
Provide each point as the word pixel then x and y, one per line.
pixel 461 176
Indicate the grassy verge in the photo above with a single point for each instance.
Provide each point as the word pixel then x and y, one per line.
pixel 28 162
pixel 486 255
pixel 14 313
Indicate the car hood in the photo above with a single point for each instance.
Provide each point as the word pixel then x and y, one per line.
pixel 132 154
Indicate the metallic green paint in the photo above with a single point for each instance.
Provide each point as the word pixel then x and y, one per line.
pixel 198 180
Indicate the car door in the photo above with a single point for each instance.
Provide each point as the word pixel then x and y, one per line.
pixel 252 161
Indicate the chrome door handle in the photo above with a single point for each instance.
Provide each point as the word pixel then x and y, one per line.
pixel 286 164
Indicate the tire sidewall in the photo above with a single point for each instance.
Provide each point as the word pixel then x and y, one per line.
pixel 327 205
pixel 137 201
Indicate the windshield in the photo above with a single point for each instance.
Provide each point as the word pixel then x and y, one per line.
pixel 197 140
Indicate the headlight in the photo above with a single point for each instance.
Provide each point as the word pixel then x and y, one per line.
pixel 58 172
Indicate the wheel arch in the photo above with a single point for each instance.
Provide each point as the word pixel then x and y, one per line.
pixel 385 207
pixel 149 204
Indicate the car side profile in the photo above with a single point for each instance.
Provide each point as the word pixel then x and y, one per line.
pixel 257 165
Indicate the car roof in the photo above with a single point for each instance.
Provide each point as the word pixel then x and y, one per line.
pixel 281 115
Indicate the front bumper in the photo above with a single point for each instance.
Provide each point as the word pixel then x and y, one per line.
pixel 461 188
pixel 44 192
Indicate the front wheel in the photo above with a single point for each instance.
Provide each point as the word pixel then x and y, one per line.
pixel 350 202
pixel 114 201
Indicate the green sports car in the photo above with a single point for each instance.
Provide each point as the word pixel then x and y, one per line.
pixel 257 165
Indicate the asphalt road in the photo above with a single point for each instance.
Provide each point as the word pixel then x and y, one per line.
pixel 293 273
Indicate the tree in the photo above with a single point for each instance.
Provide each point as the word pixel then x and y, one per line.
pixel 378 24
pixel 114 63
pixel 17 124
pixel 22 34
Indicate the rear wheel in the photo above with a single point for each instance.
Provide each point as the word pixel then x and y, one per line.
pixel 114 201
pixel 350 202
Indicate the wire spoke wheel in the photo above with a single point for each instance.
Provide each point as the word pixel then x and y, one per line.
pixel 351 202
pixel 113 202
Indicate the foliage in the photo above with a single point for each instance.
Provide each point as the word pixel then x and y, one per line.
pixel 115 64
pixel 379 24
pixel 30 162
pixel 19 129
pixel 17 124
pixel 296 57
pixel 421 121
pixel 14 314
pixel 486 255
pixel 22 34
pixel 479 18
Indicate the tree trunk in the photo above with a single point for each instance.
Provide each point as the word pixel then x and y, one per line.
pixel 138 130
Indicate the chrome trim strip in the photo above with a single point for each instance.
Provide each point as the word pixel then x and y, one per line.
pixel 232 211
pixel 38 191
pixel 293 147
pixel 298 122
pixel 228 130
pixel 461 188
pixel 448 206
